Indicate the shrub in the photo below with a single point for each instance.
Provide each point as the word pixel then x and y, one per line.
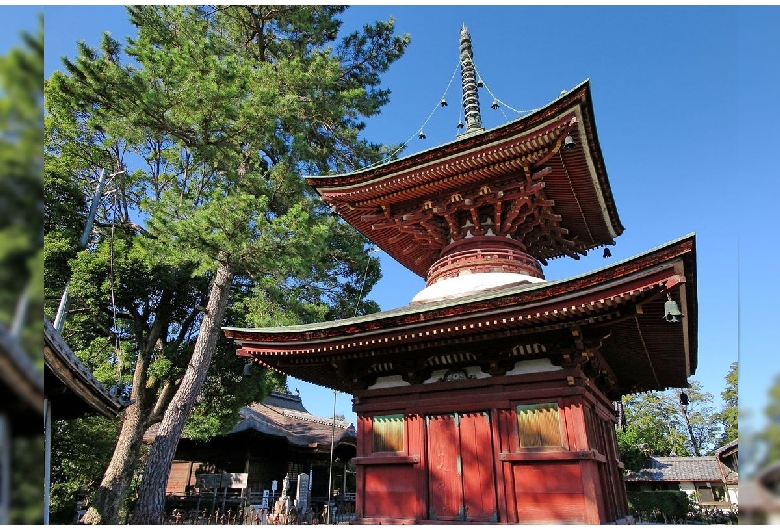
pixel 652 505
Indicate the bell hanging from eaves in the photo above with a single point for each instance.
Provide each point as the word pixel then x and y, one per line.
pixel 671 310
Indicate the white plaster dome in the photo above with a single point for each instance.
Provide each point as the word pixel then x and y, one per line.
pixel 467 283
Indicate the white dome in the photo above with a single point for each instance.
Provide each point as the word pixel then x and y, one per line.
pixel 466 284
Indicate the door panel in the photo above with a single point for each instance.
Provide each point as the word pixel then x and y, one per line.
pixel 460 467
pixel 476 447
pixel 444 486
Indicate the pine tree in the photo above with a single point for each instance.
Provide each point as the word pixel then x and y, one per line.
pixel 231 105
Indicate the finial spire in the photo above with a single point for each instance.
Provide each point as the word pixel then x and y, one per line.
pixel 469 79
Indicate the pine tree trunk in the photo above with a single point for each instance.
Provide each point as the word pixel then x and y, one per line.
pixel 150 508
pixel 112 492
pixel 116 480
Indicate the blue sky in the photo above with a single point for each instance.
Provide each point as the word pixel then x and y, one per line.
pixel 684 101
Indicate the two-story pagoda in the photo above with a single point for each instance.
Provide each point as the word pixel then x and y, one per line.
pixel 489 398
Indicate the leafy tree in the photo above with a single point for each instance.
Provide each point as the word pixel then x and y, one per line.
pixel 728 418
pixel 21 200
pixel 81 450
pixel 656 424
pixel 226 106
pixel 768 440
pixel 21 279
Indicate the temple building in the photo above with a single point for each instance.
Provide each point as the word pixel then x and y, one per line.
pixel 491 396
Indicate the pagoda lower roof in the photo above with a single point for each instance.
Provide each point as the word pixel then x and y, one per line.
pixel 621 307
pixel 400 205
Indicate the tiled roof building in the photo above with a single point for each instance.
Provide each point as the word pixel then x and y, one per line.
pixel 701 477
pixel 679 469
pixel 275 438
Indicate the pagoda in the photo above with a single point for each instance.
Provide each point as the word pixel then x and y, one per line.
pixel 491 396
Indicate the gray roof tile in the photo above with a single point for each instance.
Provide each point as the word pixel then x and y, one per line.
pixel 678 468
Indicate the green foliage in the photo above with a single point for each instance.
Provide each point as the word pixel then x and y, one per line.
pixel 631 444
pixel 728 417
pixel 21 200
pixel 26 485
pixel 648 505
pixel 81 450
pixel 769 438
pixel 213 124
pixel 656 425
pixel 21 245
pixel 654 422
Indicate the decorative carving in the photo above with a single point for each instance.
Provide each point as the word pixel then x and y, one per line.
pixel 456 375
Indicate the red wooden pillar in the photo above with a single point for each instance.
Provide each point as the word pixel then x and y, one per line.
pixel 415 433
pixel 364 436
pixel 578 441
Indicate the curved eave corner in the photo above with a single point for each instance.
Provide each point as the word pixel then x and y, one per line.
pixel 601 169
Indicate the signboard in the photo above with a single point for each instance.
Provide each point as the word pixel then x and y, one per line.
pixel 209 480
pixel 234 480
pixel 222 480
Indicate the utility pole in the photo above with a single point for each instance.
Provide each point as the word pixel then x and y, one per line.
pixel 59 320
pixel 330 472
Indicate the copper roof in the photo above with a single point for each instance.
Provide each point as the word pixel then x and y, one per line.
pixel 500 158
pixel 644 350
pixel 70 386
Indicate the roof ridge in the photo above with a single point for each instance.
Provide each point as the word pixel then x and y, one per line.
pixel 311 417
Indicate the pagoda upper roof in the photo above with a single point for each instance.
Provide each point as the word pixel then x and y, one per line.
pixel 645 351
pixel 575 210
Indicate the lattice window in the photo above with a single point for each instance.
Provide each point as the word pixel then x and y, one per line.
pixel 294 469
pixel 596 433
pixel 388 433
pixel 539 425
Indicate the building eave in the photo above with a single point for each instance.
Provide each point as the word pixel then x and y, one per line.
pixel 628 296
pixel 69 380
pixel 577 183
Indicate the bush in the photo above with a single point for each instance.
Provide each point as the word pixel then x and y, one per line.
pixel 654 505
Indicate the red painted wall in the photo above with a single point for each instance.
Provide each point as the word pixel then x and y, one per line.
pixel 462 460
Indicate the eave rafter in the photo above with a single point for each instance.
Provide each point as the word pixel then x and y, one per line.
pixel 587 354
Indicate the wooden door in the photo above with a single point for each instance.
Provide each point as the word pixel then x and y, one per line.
pixel 461 483
pixel 476 450
pixel 444 484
